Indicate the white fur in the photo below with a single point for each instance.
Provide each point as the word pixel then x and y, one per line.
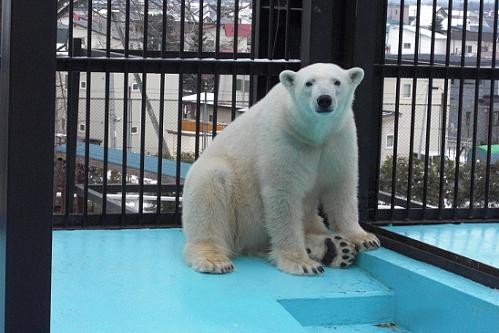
pixel 257 187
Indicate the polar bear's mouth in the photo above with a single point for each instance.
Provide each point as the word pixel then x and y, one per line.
pixel 324 110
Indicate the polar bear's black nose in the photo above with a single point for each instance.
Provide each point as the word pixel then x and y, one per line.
pixel 324 101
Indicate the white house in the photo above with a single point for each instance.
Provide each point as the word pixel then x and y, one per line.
pixel 409 39
pixel 422 114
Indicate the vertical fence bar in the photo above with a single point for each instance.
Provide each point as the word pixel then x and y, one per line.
pixel 143 112
pixel 70 28
pixel 161 111
pixel 87 114
pixel 199 80
pixel 200 27
pixel 164 27
pixel 106 111
pixel 215 105
pixel 253 78
pixel 179 145
pixel 271 30
pixel 270 41
pixel 234 56
pixel 71 130
pixel 160 143
pixel 87 147
pixel 142 140
pixel 179 115
pixel 217 32
pixel 106 143
pixel 413 110
pixel 124 156
pixel 459 112
pixel 491 112
pixel 127 29
pixel 236 28
pixel 444 114
pixel 217 76
pixel 475 108
pixel 198 113
pixel 397 109
pixel 429 110
pixel 109 15
pixel 182 29
pixel 286 37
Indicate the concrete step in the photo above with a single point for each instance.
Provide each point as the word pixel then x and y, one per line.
pixel 342 308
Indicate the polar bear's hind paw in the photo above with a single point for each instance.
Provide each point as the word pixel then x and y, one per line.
pixel 331 250
pixel 344 258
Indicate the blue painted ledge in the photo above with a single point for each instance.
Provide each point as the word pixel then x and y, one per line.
pixel 135 281
pixel 478 241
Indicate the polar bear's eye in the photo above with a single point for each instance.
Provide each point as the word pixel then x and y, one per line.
pixel 337 83
pixel 308 83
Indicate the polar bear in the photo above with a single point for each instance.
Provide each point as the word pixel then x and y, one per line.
pixel 256 189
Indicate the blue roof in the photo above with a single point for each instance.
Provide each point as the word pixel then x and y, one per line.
pixel 115 156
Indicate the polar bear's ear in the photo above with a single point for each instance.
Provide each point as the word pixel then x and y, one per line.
pixel 287 78
pixel 356 75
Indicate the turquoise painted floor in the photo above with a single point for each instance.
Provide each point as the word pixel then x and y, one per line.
pixel 479 241
pixel 135 281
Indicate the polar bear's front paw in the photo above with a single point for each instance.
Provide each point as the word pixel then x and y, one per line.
pixel 365 241
pixel 332 250
pixel 218 264
pixel 297 265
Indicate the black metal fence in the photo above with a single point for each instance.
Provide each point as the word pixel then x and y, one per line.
pixel 438 136
pixel 157 80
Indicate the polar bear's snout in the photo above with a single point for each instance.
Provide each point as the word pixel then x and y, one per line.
pixel 324 103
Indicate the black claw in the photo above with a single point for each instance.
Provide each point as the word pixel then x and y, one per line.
pixel 321 269
pixel 365 244
pixel 346 251
pixel 357 248
pixel 305 270
pixel 337 237
pixel 231 267
pixel 308 251
pixel 343 244
pixel 314 270
pixel 330 252
pixel 346 257
pixel 343 265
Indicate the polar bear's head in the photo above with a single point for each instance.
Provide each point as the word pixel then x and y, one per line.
pixel 322 89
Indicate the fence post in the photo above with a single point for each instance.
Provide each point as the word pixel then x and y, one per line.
pixel 27 109
pixel 363 46
pixel 351 33
pixel 317 31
